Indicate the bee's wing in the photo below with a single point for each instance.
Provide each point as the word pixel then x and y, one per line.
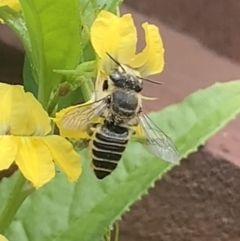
pixel 80 116
pixel 156 141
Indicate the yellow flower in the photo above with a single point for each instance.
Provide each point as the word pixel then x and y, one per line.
pixel 14 4
pixel 2 238
pixel 24 126
pixel 117 36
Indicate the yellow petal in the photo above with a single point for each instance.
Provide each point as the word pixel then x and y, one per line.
pixel 30 118
pixel 11 105
pixel 37 115
pixel 74 134
pixel 35 160
pixel 151 60
pixel 21 113
pixel 13 113
pixel 2 238
pixel 99 92
pixel 14 4
pixel 5 107
pixel 116 36
pixel 19 117
pixel 8 151
pixel 64 156
pixel 139 133
pixel 99 29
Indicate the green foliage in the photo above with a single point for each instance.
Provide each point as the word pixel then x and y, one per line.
pixel 83 71
pixel 46 22
pixel 62 211
pixel 81 84
pixel 89 9
pixel 28 79
pixel 41 25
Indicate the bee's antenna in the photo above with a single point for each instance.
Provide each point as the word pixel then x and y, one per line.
pixel 151 81
pixel 116 62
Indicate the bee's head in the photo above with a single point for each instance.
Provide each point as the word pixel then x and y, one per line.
pixel 123 78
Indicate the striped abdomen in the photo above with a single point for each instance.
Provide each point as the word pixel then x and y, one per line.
pixel 109 143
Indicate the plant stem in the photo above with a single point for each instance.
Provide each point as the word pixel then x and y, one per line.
pixel 87 90
pixel 17 195
pixel 52 105
pixel 107 236
pixel 116 236
pixel 42 96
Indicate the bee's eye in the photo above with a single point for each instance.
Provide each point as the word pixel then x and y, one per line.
pixel 138 88
pixel 105 85
pixel 115 76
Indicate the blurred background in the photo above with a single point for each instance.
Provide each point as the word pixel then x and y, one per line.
pixel 199 200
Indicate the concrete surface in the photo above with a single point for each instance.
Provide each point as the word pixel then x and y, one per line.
pixel 189 67
pixel 197 201
pixel 214 23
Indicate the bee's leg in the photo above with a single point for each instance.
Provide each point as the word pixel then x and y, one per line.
pixel 134 121
pixel 132 132
pixel 92 128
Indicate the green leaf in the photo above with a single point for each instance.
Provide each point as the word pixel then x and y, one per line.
pixel 5 188
pixel 28 79
pixel 83 71
pixel 53 28
pixel 71 99
pixel 80 83
pixel 89 10
pixel 62 211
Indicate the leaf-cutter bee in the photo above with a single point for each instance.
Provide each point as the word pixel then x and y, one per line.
pixel 119 107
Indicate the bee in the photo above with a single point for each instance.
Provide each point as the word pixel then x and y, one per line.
pixel 120 110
